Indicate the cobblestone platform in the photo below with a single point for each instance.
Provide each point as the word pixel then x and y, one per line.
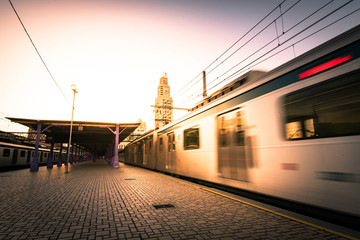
pixel 95 201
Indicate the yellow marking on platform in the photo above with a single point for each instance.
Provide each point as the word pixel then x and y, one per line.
pixel 265 209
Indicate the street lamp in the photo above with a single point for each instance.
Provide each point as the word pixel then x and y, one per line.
pixel 73 87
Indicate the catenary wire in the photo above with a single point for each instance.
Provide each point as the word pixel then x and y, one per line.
pixel 257 34
pixel 38 53
pixel 304 38
pixel 246 66
pixel 183 88
pixel 250 66
pixel 277 38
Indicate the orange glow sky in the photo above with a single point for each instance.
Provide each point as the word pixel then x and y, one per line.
pixel 115 51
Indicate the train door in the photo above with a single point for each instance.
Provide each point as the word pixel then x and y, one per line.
pixel 170 160
pixel 231 145
pixel 14 157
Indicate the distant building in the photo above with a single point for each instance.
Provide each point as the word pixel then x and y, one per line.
pixel 136 134
pixel 163 104
pixel 141 128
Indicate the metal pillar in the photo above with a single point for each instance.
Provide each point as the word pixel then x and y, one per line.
pixel 50 159
pixel 34 164
pixel 59 162
pixel 67 158
pixel 204 84
pixel 76 157
pixel 72 155
pixel 80 155
pixel 115 162
pixel 71 127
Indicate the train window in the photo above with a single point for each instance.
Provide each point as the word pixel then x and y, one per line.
pixel 328 109
pixel 150 144
pixel 6 152
pixel 223 132
pixel 161 144
pixel 239 131
pixel 169 142
pixel 173 142
pixel 22 153
pixel 191 139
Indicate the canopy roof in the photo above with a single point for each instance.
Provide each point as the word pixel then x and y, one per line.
pixel 95 136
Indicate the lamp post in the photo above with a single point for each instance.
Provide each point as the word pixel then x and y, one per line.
pixel 73 87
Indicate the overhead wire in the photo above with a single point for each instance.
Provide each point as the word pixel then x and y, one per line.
pixel 304 38
pixel 38 53
pixel 257 34
pixel 256 61
pixel 247 66
pixel 231 47
pixel 277 37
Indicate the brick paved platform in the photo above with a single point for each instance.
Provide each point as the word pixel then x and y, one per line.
pixel 95 201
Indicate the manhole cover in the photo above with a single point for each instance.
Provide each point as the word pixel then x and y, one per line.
pixel 158 206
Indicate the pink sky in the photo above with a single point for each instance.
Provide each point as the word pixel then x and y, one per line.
pixel 116 51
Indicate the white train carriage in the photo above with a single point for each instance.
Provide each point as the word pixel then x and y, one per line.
pixel 293 133
pixel 21 155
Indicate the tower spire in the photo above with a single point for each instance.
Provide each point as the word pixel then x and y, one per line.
pixel 163 103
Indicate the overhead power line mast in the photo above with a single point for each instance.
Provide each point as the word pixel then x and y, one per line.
pixel 204 84
pixel 168 107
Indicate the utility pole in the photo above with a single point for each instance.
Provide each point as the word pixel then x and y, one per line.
pixel 204 84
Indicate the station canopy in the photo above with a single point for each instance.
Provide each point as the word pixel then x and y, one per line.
pixel 95 136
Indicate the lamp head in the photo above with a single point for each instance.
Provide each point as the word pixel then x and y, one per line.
pixel 73 87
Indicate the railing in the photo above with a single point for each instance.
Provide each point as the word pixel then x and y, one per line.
pixel 22 136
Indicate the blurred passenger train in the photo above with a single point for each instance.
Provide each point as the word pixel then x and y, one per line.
pixel 12 155
pixel 292 133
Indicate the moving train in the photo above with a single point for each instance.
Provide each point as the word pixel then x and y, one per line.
pixel 12 155
pixel 292 133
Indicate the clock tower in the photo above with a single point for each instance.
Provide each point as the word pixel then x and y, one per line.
pixel 163 104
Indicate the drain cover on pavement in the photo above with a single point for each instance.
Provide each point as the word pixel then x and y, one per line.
pixel 157 206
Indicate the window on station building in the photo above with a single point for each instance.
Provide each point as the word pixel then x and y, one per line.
pixel 6 152
pixel 327 109
pixel 191 139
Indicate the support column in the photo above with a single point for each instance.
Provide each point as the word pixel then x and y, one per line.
pixel 115 162
pixel 76 157
pixel 59 161
pixel 50 159
pixel 67 152
pixel 72 155
pixel 34 167
pixel 78 154
pixel 82 155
